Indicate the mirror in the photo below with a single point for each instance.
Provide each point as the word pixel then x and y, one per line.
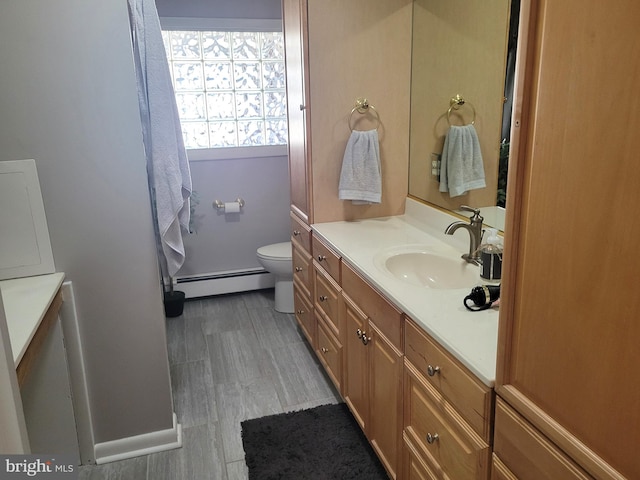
pixel 468 49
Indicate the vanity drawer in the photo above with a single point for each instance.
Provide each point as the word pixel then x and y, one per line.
pixel 300 232
pixel 469 396
pixel 302 268
pixel 386 317
pixel 329 351
pixel 327 299
pixel 304 314
pixel 447 443
pixel 326 258
pixel 526 452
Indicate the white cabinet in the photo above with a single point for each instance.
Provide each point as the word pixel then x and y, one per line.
pixel 25 248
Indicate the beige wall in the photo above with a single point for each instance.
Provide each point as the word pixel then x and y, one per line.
pixel 362 51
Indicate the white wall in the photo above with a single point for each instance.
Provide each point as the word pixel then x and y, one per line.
pixel 220 8
pixel 229 242
pixel 68 99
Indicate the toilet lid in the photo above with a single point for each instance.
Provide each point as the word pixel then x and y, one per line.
pixel 276 251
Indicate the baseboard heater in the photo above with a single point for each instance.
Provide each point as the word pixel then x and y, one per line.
pixel 231 281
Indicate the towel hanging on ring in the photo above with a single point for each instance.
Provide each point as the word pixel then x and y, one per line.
pixel 461 166
pixel 360 177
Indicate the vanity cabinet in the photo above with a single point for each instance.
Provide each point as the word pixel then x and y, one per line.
pixel 303 278
pixel 327 306
pixel 569 333
pixel 447 412
pixel 372 384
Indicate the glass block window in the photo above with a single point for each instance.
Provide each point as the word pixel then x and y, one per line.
pixel 230 87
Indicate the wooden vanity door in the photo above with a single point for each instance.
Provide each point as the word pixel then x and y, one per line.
pixel 569 359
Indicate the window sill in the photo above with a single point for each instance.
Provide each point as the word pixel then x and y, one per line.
pixel 231 153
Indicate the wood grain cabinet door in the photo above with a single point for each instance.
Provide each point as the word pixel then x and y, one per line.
pixel 569 329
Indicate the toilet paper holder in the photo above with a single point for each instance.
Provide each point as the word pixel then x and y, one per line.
pixel 220 205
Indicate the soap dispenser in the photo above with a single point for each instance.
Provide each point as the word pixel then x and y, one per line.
pixel 491 256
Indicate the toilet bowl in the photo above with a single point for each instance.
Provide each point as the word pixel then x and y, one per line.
pixel 276 258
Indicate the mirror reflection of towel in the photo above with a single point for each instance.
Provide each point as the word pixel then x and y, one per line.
pixel 360 178
pixel 461 167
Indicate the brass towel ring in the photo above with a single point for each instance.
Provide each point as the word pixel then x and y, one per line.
pixel 362 107
pixel 455 103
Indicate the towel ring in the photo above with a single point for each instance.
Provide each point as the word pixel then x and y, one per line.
pixel 362 107
pixel 455 103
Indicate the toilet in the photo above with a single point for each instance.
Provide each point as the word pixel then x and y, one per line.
pixel 276 258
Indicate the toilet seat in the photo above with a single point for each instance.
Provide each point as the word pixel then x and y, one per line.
pixel 277 251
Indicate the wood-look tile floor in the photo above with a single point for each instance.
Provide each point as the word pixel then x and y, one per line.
pixel 232 358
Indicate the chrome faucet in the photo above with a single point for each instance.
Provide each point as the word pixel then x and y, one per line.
pixel 475 233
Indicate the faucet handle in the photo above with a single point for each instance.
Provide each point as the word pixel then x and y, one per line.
pixel 476 213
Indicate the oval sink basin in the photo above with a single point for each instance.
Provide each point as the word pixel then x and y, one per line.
pixel 427 269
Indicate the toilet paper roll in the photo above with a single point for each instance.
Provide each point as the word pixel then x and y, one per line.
pixel 231 207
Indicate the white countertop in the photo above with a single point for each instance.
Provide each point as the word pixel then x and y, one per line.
pixel 469 336
pixel 26 300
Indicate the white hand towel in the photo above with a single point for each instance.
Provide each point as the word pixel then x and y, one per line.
pixel 167 163
pixel 461 167
pixel 360 178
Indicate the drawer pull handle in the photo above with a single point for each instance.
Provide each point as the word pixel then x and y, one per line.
pixel 322 298
pixel 321 258
pixel 296 233
pixel 432 438
pixel 324 350
pixel 298 269
pixel 359 333
pixel 431 370
pixel 365 339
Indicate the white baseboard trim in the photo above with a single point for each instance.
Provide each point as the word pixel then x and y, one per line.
pixel 138 445
pixel 204 286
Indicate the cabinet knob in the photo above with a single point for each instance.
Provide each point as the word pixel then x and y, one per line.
pixel 431 370
pixel 359 333
pixel 324 350
pixel 302 107
pixel 322 298
pixel 298 269
pixel 365 339
pixel 300 312
pixel 296 233
pixel 321 258
pixel 432 438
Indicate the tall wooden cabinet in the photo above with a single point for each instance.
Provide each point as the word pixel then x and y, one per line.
pixel 336 52
pixel 294 17
pixel 568 365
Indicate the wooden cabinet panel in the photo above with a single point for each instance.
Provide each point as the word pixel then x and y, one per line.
pixel 302 269
pixel 386 317
pixel 300 233
pixel 356 372
pixel 329 352
pixel 385 408
pixel 569 313
pixel 472 398
pixel 413 468
pixel 442 436
pixel 294 17
pixel 527 453
pixel 326 258
pixel 499 470
pixel 327 299
pixel 304 314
